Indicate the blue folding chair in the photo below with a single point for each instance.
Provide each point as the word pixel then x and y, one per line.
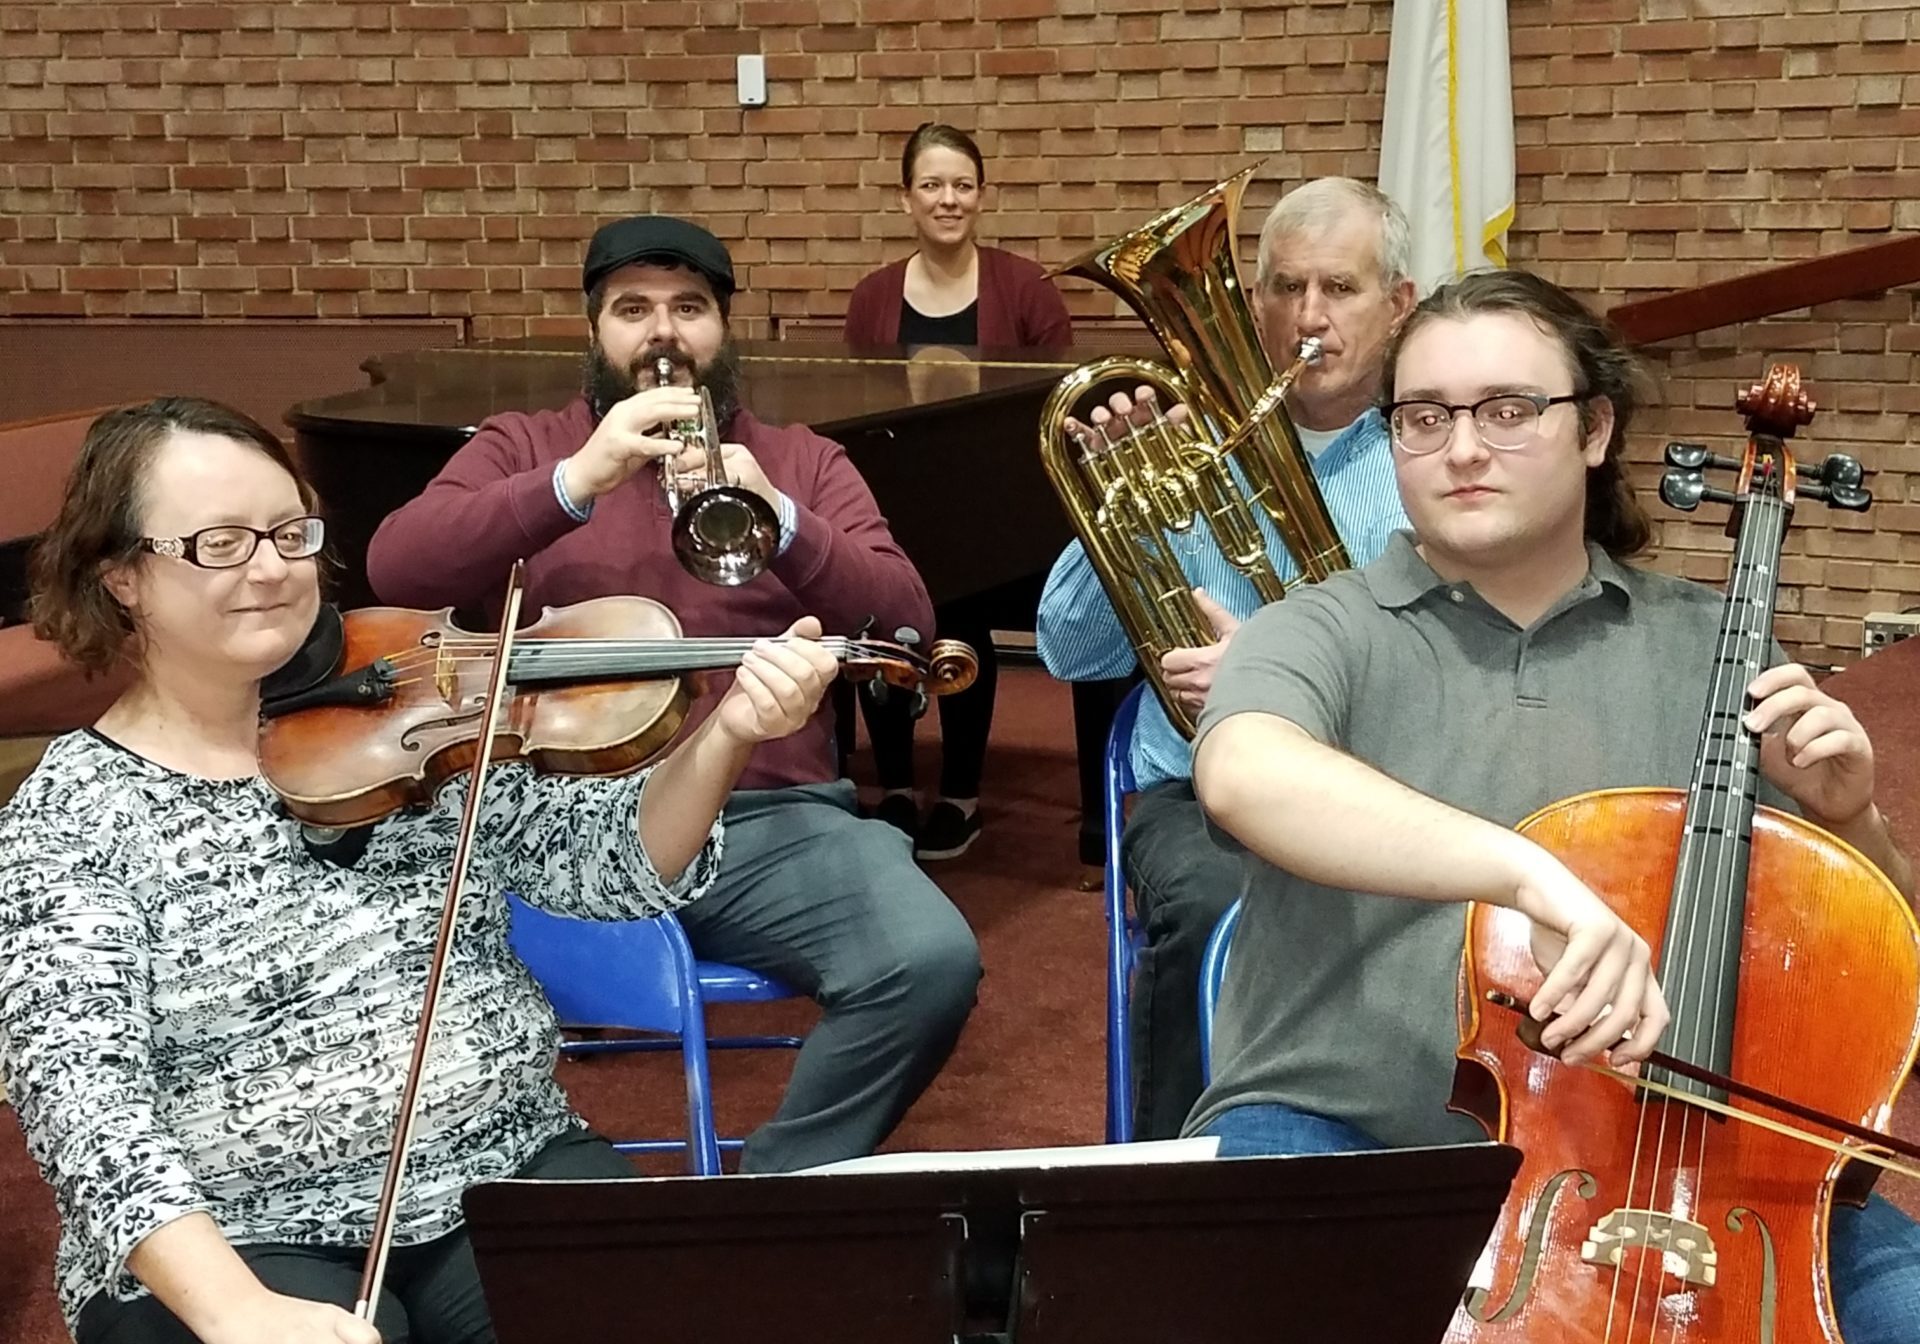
pixel 1213 974
pixel 641 975
pixel 1125 937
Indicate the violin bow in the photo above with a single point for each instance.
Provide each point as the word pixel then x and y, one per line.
pixel 1530 1034
pixel 384 1217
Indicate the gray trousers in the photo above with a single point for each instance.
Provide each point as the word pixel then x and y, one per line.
pixel 834 906
pixel 1182 883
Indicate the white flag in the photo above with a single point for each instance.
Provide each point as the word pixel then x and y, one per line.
pixel 1446 152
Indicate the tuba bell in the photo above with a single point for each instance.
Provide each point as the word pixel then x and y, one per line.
pixel 723 534
pixel 1237 456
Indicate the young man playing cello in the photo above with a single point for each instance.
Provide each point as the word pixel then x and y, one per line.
pixel 1372 738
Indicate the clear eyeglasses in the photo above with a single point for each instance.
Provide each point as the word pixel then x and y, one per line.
pixel 1509 420
pixel 231 545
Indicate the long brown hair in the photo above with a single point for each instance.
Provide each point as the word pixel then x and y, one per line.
pixel 100 519
pixel 1602 367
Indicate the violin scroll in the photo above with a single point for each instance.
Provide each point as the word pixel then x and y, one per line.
pixel 951 666
pixel 946 669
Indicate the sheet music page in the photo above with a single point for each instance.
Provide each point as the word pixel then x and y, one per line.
pixel 1202 1149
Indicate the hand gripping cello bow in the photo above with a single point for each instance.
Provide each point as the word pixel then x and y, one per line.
pixel 1690 1204
pixel 386 705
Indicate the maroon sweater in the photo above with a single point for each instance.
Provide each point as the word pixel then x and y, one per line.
pixel 1018 304
pixel 493 503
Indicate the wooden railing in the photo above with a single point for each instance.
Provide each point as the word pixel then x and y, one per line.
pixel 1778 289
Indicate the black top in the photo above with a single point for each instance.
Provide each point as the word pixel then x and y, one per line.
pixel 961 328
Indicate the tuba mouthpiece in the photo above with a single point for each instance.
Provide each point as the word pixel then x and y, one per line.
pixel 1310 349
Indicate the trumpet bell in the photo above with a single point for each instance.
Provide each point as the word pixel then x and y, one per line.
pixel 725 535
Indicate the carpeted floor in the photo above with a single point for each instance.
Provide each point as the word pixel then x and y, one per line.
pixel 1030 1069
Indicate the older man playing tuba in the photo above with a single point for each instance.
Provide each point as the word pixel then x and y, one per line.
pixel 1334 260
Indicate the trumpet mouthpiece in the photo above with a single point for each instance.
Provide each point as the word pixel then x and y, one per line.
pixel 1310 349
pixel 663 370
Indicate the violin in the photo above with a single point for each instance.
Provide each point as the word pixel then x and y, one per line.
pixel 383 705
pixel 1677 1206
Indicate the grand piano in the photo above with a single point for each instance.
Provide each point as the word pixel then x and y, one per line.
pixel 946 438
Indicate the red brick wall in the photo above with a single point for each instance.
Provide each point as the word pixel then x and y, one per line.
pixel 393 159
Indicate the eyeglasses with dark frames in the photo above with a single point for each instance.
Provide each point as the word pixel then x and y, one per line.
pixel 1507 420
pixel 230 545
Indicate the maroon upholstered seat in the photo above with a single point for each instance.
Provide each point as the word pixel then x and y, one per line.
pixel 1881 689
pixel 40 692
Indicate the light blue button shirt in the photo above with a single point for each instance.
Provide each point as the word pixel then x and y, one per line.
pixel 1080 635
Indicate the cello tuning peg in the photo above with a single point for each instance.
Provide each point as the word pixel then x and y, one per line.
pixel 1682 489
pixel 1696 457
pixel 1841 495
pixel 1837 481
pixel 1841 470
pixel 908 636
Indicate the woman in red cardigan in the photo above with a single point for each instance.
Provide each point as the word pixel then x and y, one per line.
pixel 950 291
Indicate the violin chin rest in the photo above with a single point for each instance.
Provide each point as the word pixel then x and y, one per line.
pixel 313 662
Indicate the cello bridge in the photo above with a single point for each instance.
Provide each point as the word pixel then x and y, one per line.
pixel 1684 1247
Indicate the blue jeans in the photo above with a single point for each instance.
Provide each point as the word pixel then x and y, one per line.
pixel 1873 1254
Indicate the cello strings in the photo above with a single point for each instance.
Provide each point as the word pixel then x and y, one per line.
pixel 1748 586
pixel 1714 899
pixel 1694 886
pixel 1702 891
pixel 1852 1152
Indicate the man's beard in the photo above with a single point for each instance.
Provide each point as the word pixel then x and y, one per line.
pixel 606 384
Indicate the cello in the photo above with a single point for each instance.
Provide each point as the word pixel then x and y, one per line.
pixel 1675 1206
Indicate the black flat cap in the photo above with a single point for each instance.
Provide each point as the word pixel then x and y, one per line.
pixel 644 237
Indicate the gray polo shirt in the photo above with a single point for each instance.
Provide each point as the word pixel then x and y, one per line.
pixel 1342 1003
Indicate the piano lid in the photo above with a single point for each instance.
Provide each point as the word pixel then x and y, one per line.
pixel 834 388
pixel 946 438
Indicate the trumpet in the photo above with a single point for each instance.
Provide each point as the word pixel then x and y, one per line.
pixel 723 533
pixel 1237 460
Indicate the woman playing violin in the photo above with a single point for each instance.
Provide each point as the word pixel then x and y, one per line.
pixel 1372 738
pixel 204 1025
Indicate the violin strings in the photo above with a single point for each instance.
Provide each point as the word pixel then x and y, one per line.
pixel 545 650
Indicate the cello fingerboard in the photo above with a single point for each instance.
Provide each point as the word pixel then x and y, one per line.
pixel 1700 957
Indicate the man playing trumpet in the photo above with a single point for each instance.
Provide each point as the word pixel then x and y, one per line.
pixel 807 891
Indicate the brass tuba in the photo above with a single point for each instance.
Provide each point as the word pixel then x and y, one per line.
pixel 1123 495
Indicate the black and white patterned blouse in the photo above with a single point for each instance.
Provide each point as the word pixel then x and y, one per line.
pixel 196 1014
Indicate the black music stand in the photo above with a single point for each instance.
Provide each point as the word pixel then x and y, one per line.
pixel 1280 1250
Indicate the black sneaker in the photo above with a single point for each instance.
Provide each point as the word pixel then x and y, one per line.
pixel 948 832
pixel 900 811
